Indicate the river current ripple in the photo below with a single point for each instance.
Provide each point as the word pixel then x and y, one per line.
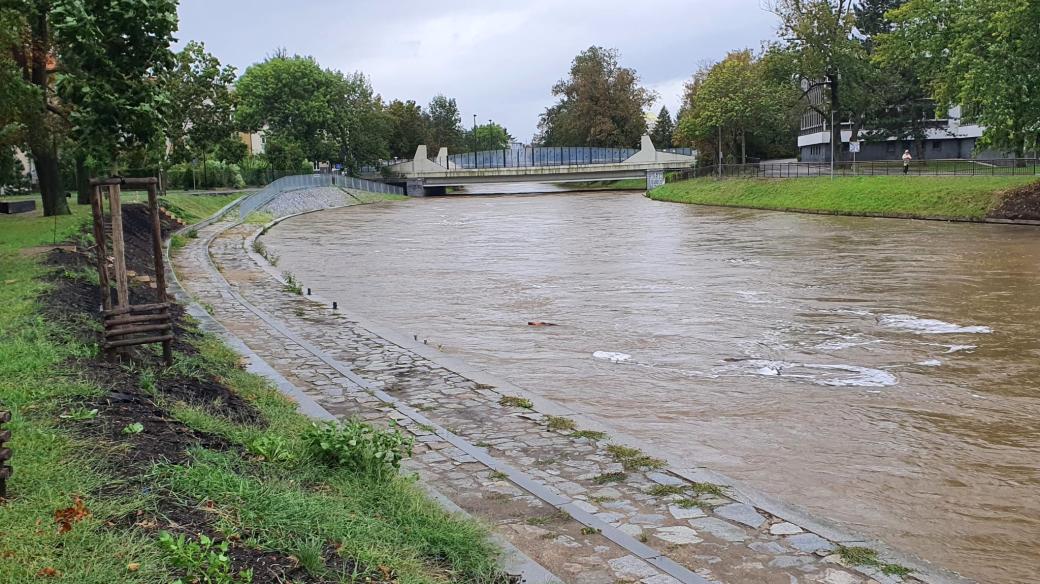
pixel 883 373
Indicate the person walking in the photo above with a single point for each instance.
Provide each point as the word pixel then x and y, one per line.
pixel 906 161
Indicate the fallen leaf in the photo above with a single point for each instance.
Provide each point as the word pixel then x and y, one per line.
pixel 65 518
pixel 48 572
pixel 133 567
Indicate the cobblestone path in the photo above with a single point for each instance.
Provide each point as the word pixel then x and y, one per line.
pixel 603 514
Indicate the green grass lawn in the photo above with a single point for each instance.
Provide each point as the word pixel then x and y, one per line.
pixel 291 506
pixel 898 196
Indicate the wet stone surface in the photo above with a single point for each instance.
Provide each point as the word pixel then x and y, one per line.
pixel 715 537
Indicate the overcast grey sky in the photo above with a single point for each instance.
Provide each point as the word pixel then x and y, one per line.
pixel 499 60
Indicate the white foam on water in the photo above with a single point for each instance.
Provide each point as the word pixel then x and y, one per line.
pixel 820 374
pixel 930 363
pixel 959 348
pixel 612 357
pixel 928 326
pixel 847 343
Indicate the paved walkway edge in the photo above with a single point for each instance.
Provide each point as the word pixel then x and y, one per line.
pixel 827 529
pixel 513 560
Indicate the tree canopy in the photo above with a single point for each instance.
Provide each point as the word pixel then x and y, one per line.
pixel 489 136
pixel 600 104
pixel 980 54
pixel 444 124
pixel 664 127
pixel 200 115
pixel 89 79
pixel 408 128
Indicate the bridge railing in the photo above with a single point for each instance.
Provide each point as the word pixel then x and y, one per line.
pixel 946 167
pixel 539 156
pixel 305 181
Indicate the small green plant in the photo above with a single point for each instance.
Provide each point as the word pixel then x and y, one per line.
pixel 291 283
pixel 590 434
pixel 666 490
pixel 80 414
pixel 202 560
pixel 610 477
pixel 193 234
pixel 208 308
pixel 262 251
pixel 708 489
pixel 633 459
pixel 359 446
pixel 148 381
pixel 272 448
pixel 589 531
pixel 499 475
pixel 178 241
pixel 560 423
pixel 135 428
pixel 864 556
pixel 516 402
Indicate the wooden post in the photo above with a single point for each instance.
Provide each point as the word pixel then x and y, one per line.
pixel 160 267
pixel 118 247
pixel 101 246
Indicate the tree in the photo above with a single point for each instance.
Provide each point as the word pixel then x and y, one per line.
pixel 980 54
pixel 407 128
pixel 443 124
pixel 490 136
pixel 287 98
pixel 600 104
pixel 202 105
pixel 325 114
pixel 732 99
pixel 663 129
pixel 106 97
pixel 829 56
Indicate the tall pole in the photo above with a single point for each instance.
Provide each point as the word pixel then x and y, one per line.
pixel 832 143
pixel 720 151
pixel 474 132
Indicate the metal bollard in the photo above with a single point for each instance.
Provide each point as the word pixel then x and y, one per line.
pixel 335 306
pixel 5 454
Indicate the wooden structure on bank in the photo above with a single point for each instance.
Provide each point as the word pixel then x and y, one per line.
pixel 126 324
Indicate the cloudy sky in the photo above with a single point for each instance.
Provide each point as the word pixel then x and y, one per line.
pixel 498 59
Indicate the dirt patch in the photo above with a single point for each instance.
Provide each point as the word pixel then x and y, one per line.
pixel 1020 203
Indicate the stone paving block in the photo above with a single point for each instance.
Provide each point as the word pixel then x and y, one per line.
pixel 809 542
pixel 677 534
pixel 741 513
pixel 720 529
pixel 685 512
pixel 785 528
pixel 632 568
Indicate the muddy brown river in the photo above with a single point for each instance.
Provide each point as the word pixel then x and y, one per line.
pixel 882 373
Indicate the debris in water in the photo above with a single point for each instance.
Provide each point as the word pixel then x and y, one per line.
pixel 612 357
pixel 540 323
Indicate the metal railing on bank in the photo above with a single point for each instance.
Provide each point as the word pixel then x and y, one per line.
pixel 297 182
pixel 948 167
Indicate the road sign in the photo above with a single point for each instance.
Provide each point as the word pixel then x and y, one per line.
pixel 853 147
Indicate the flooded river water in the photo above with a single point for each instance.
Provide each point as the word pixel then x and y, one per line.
pixel 883 373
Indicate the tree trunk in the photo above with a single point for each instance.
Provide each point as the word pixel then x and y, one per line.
pixel 41 142
pixel 743 147
pixel 54 202
pixel 82 181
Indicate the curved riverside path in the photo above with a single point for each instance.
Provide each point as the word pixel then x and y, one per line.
pixel 564 501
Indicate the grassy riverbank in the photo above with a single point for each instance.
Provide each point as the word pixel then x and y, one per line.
pixel 108 457
pixel 895 196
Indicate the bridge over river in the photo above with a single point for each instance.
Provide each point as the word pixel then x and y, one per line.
pixel 424 175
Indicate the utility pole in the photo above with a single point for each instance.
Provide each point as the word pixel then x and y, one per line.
pixel 832 143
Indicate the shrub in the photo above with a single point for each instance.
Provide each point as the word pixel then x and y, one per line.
pixel 516 402
pixel 214 175
pixel 358 446
pixel 271 448
pixel 291 283
pixel 202 560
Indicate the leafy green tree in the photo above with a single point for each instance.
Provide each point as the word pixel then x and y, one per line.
pixel 200 115
pixel 980 54
pixel 600 104
pixel 407 127
pixel 91 67
pixel 325 114
pixel 490 136
pixel 663 129
pixel 288 98
pixel 443 124
pixel 821 33
pixel 732 99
